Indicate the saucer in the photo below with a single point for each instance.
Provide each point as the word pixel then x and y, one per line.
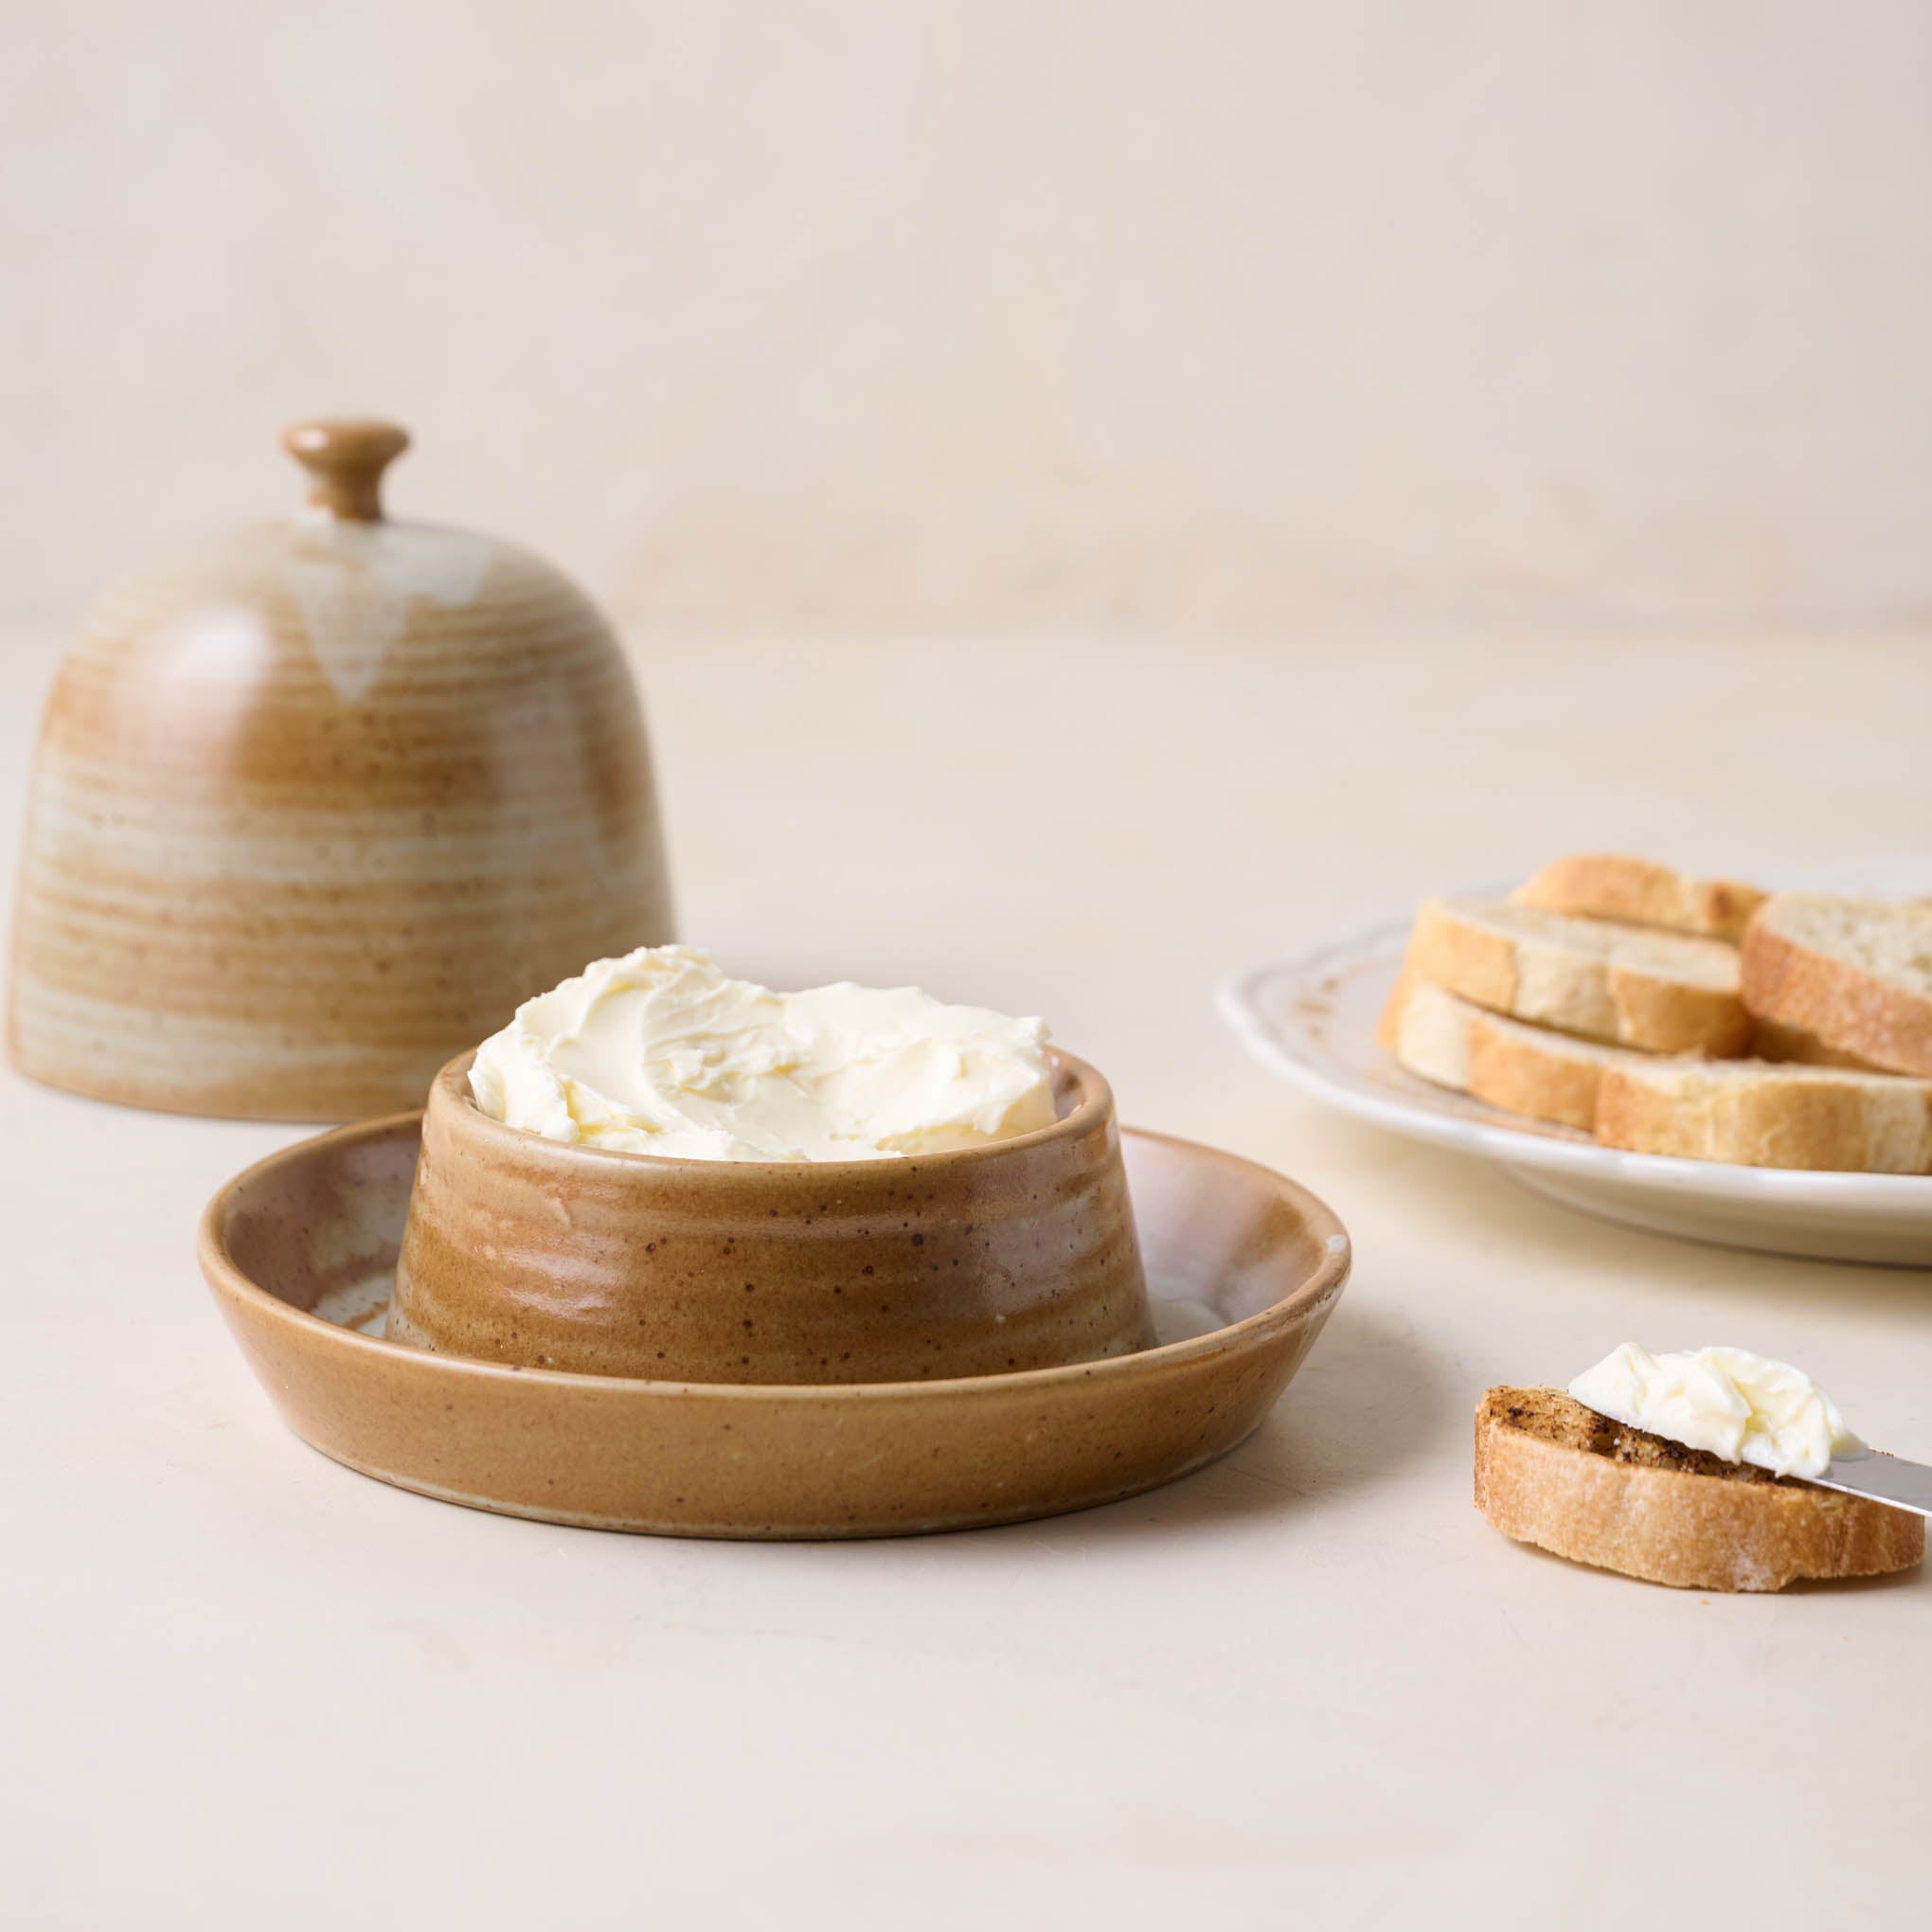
pixel 1245 1268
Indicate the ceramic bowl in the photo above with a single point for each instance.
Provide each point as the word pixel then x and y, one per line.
pixel 320 800
pixel 1019 1254
pixel 1245 1268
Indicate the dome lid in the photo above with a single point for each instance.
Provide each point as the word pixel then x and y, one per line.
pixel 317 802
pixel 339 583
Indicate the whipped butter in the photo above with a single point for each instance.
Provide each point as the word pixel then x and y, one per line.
pixel 659 1053
pixel 1742 1407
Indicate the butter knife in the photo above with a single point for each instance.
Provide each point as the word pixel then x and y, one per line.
pixel 1883 1479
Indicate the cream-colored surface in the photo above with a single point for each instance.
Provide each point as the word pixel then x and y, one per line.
pixel 1308 1687
pixel 660 1052
pixel 1225 316
pixel 1735 1403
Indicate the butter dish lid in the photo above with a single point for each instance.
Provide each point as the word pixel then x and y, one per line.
pixel 337 578
pixel 318 800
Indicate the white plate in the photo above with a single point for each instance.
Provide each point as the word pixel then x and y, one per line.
pixel 1313 1022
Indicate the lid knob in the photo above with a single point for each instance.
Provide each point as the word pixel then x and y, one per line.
pixel 345 457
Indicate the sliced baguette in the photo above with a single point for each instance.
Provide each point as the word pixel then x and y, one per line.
pixel 1608 885
pixel 1854 974
pixel 1521 1068
pixel 1664 993
pixel 1758 1114
pixel 1797 1046
pixel 1551 1472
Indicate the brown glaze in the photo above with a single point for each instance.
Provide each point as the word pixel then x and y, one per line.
pixel 318 803
pixel 320 1223
pixel 1019 1254
pixel 345 457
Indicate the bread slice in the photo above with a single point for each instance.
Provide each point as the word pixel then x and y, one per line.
pixel 1758 1114
pixel 1521 1068
pixel 1609 886
pixel 1551 1472
pixel 1797 1046
pixel 1856 974
pixel 1664 993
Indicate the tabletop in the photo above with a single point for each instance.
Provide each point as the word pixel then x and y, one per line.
pixel 1308 1685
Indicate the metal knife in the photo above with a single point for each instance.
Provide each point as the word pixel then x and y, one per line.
pixel 1883 1478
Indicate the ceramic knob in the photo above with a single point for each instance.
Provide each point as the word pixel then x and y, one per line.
pixel 345 457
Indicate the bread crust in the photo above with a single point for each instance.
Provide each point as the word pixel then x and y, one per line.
pixel 1474 963
pixel 1504 1063
pixel 1768 1117
pixel 1797 1046
pixel 1616 997
pixel 1693 1527
pixel 1845 1008
pixel 1523 1076
pixel 1747 1113
pixel 1613 885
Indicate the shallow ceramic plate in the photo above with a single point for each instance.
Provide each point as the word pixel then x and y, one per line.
pixel 1313 1022
pixel 301 1251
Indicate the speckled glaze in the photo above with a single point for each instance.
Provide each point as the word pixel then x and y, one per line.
pixel 317 803
pixel 1020 1254
pixel 299 1252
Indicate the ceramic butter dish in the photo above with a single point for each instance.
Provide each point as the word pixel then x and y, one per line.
pixel 302 1253
pixel 317 802
pixel 1013 1255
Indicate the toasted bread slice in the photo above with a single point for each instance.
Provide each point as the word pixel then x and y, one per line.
pixel 1758 1114
pixel 1551 1472
pixel 1854 974
pixel 1608 885
pixel 1521 1068
pixel 1664 993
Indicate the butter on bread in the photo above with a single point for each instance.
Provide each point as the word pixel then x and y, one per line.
pixel 1552 1472
pixel 1640 891
pixel 1663 992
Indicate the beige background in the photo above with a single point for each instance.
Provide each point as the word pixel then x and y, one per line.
pixel 1232 316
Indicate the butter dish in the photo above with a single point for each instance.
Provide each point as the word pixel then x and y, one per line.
pixel 300 1252
pixel 1017 1253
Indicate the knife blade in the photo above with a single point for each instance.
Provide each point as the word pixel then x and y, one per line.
pixel 1883 1479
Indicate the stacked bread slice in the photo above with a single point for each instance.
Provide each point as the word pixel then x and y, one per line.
pixel 1619 997
pixel 1854 975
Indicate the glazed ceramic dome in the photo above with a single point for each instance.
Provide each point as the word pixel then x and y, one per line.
pixel 317 803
